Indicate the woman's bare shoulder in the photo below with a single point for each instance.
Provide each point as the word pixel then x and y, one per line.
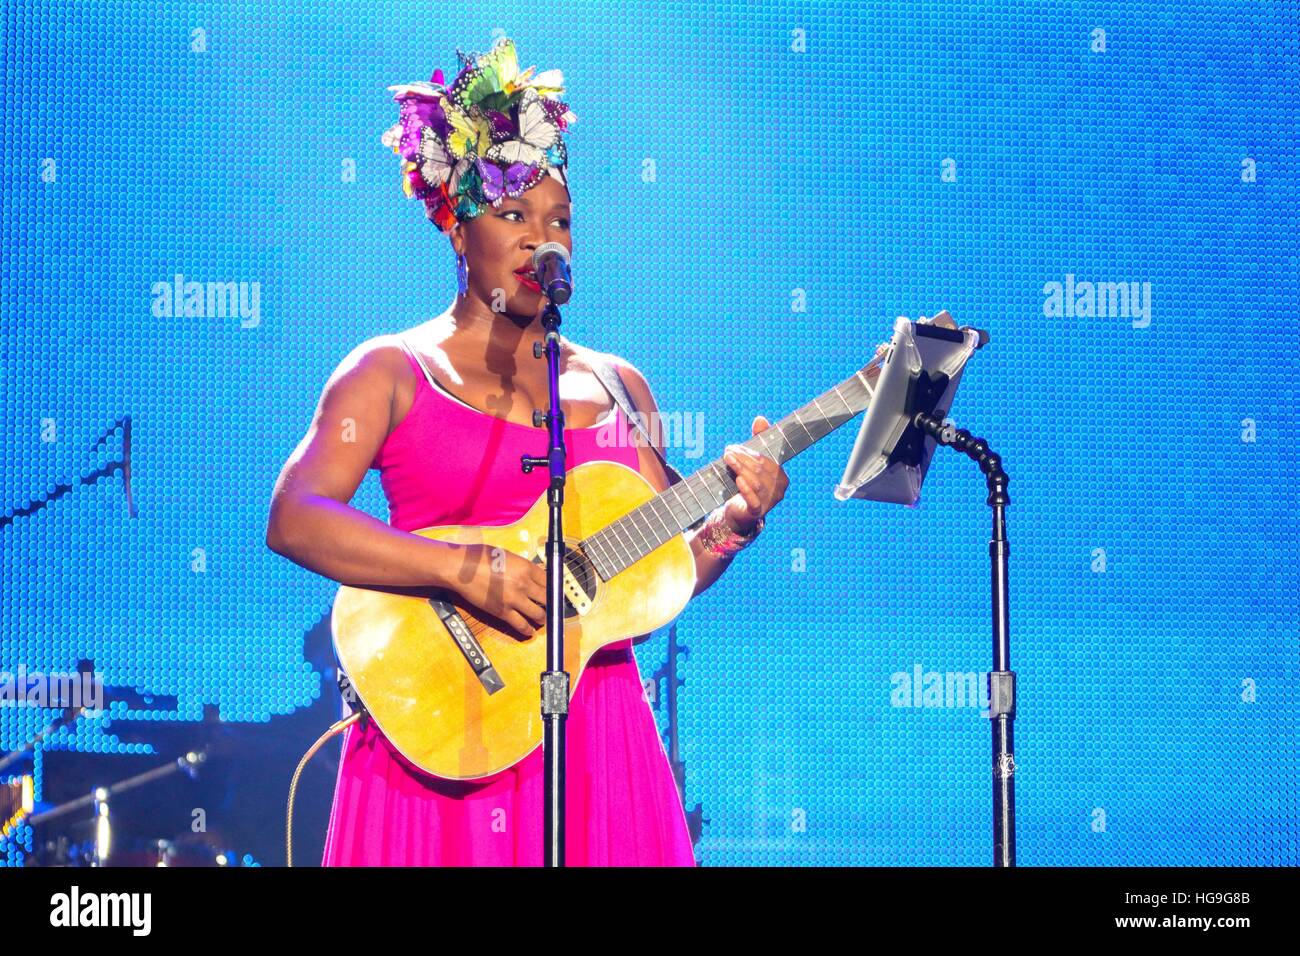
pixel 631 376
pixel 586 359
pixel 372 375
pixel 382 356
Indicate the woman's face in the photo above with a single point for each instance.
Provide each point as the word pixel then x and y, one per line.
pixel 501 241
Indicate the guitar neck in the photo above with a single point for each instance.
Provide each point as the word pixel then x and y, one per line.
pixel 625 541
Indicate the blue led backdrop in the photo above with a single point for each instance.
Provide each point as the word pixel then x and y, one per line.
pixel 759 190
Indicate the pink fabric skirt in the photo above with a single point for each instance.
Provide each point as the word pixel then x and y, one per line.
pixel 622 804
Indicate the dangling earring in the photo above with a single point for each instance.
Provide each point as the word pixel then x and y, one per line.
pixel 462 274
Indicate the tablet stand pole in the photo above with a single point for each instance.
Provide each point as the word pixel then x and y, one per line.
pixel 1002 680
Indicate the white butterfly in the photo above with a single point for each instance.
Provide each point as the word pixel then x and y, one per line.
pixel 537 134
pixel 392 137
pixel 435 163
pixel 551 81
pixel 421 87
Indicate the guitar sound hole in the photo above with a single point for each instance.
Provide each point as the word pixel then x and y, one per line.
pixel 583 572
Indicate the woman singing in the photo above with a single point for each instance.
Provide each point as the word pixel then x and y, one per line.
pixel 444 410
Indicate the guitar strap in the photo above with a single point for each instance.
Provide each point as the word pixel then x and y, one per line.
pixel 609 377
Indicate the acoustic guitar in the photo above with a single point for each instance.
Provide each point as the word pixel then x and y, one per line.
pixel 459 696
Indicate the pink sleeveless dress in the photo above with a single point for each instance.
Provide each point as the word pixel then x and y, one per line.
pixel 449 463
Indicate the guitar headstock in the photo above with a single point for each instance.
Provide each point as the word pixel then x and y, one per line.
pixel 831 409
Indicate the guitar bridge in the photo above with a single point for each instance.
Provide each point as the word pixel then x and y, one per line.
pixel 471 648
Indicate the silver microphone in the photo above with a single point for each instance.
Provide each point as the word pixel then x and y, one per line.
pixel 551 266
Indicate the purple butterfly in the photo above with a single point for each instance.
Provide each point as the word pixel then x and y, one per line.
pixel 555 110
pixel 502 128
pixel 511 181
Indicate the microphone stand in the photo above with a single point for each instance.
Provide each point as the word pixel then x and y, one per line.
pixel 555 679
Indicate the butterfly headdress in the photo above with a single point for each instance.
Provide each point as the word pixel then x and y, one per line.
pixel 494 132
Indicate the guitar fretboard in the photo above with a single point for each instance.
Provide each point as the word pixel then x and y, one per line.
pixel 626 540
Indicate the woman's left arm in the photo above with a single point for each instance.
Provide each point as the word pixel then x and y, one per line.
pixel 760 484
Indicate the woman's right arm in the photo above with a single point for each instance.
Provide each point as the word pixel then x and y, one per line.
pixel 311 522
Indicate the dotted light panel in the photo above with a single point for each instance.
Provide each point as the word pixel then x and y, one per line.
pixel 759 190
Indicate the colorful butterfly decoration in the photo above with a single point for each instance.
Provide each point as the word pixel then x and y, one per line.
pixel 510 181
pixel 538 141
pixel 494 132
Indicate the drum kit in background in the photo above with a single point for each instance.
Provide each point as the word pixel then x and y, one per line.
pixel 81 831
pixel 59 804
pixel 144 819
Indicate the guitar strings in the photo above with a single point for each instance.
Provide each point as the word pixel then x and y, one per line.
pixel 646 509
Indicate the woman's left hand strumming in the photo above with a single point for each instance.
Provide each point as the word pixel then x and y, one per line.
pixel 760 481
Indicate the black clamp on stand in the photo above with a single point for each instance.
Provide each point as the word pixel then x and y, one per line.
pixel 551 266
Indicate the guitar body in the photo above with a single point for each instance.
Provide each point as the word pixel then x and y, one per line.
pixel 417 681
